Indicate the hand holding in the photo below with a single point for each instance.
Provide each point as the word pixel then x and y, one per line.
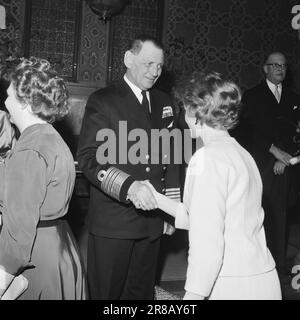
pixel 164 203
pixel 150 186
pixel 295 160
pixel 280 155
pixel 141 196
pixel 279 167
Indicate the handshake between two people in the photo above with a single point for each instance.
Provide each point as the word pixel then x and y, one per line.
pixel 144 196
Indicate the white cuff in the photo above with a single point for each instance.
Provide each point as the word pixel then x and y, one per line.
pixel 182 217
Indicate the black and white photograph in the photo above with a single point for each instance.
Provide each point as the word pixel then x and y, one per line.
pixel 149 151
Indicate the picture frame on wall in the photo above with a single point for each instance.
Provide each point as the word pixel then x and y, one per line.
pixel 52 32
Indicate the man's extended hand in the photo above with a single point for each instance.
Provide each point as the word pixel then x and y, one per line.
pixel 280 155
pixel 141 196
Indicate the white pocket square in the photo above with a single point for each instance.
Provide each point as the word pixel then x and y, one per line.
pixel 170 125
pixel 167 112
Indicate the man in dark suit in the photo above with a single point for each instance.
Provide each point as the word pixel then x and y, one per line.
pixel 124 240
pixel 269 120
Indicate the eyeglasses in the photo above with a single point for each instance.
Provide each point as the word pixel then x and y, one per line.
pixel 277 66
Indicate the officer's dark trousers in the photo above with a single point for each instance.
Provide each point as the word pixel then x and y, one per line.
pixel 121 269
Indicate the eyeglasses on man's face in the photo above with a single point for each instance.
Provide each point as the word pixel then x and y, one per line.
pixel 277 66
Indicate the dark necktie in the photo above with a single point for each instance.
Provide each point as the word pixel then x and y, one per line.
pixel 145 103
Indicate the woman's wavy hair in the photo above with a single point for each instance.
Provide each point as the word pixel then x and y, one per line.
pixel 214 100
pixel 37 84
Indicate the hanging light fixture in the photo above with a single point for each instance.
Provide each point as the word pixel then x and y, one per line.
pixel 105 9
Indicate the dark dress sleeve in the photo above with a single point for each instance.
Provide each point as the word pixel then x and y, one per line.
pixel 24 193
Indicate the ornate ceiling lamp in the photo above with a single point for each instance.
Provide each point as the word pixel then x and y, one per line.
pixel 105 9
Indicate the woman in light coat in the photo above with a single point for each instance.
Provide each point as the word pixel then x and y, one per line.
pixel 228 256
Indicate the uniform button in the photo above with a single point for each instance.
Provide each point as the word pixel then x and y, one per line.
pixel 147 156
pixel 162 179
pixel 163 190
pixel 101 174
pixel 148 169
pixel 164 168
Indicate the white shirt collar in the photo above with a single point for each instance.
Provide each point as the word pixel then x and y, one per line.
pixel 272 86
pixel 136 90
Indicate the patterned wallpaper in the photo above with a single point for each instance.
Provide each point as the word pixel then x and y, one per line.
pixel 92 60
pixel 93 43
pixel 11 37
pixel 53 33
pixel 229 36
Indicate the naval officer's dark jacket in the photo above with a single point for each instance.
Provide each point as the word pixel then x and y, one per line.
pixel 110 213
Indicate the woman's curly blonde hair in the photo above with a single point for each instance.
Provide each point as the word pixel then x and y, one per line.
pixel 214 100
pixel 37 84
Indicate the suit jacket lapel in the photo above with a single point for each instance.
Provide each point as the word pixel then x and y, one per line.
pixel 269 92
pixel 284 96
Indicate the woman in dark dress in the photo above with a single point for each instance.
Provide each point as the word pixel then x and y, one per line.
pixel 39 178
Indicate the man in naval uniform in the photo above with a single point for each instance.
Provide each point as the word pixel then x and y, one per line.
pixel 124 236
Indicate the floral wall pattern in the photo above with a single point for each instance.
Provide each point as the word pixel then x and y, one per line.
pixel 53 33
pixel 229 36
pixel 93 52
pixel 11 38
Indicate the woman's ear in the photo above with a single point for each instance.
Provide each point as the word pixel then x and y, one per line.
pixel 194 125
pixel 128 59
